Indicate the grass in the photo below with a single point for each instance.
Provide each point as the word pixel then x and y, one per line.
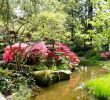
pixel 100 87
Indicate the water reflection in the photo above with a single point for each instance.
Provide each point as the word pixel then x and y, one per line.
pixel 72 89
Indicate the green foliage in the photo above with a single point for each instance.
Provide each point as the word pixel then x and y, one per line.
pixel 6 86
pixel 41 67
pixel 93 55
pixel 89 62
pixel 64 20
pixel 100 87
pixel 81 54
pixel 101 23
pixel 90 54
pixel 10 81
pixel 58 67
pixel 63 67
pixel 92 58
pixel 5 72
pixel 24 93
pixel 49 24
pixel 5 10
pixel 8 8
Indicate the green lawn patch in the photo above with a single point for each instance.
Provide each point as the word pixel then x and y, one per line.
pixel 100 87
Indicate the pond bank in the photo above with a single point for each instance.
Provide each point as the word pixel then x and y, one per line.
pixel 72 89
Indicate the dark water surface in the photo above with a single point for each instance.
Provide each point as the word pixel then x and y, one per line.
pixel 72 89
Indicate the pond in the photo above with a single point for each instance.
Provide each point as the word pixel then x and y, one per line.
pixel 72 89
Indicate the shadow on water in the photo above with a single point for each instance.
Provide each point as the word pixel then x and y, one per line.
pixel 72 89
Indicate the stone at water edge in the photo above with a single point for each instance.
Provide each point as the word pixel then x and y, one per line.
pixel 46 77
pixel 2 62
pixel 65 71
pixel 2 97
pixel 64 74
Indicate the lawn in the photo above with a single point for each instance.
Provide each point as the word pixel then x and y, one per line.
pixel 100 87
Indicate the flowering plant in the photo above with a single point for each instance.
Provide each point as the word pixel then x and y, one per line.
pixel 59 51
pixel 37 51
pixel 105 55
pixel 10 51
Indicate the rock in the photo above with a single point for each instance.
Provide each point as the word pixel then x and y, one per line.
pixel 2 62
pixel 73 66
pixel 2 97
pixel 46 77
pixel 10 97
pixel 64 75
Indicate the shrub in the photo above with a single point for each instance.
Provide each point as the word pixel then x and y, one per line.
pixel 93 55
pixel 51 54
pixel 11 51
pixel 81 53
pixel 6 86
pixel 11 82
pixel 24 93
pixel 58 52
pixel 105 55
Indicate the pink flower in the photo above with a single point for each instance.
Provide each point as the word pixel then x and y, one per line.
pixel 8 56
pixel 63 48
pixel 63 51
pixel 38 50
pixel 19 47
pixel 15 48
pixel 104 55
pixel 7 48
pixel 73 57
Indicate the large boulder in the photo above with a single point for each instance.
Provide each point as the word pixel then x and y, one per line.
pixel 63 74
pixel 2 62
pixel 46 77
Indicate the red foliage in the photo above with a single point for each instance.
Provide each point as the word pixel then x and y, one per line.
pixel 105 55
pixel 59 51
pixel 10 51
pixel 54 51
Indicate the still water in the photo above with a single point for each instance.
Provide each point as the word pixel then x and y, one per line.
pixel 72 89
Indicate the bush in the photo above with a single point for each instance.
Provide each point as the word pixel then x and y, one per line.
pixel 81 54
pixel 24 93
pixel 96 57
pixel 52 54
pixel 6 86
pixel 11 81
pixel 105 55
pixel 92 55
